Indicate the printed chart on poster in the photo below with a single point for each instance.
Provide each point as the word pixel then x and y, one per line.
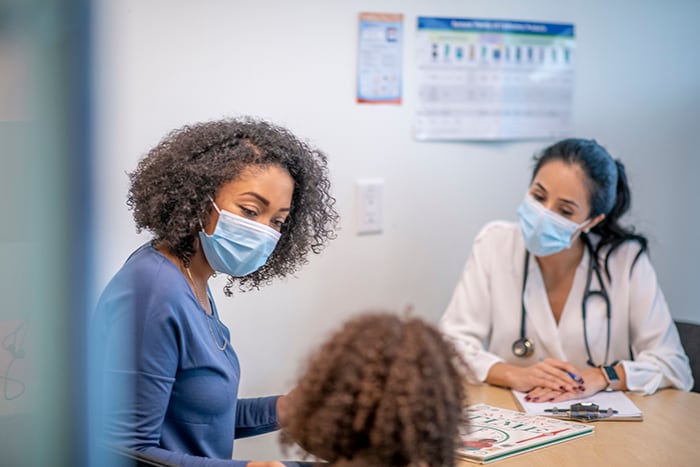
pixel 483 79
pixel 379 59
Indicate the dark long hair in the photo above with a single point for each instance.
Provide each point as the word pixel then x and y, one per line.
pixel 608 191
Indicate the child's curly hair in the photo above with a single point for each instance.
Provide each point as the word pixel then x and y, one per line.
pixel 172 187
pixel 384 391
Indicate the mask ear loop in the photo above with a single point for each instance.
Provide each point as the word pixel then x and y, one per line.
pixel 592 219
pixel 580 230
pixel 215 205
pixel 201 224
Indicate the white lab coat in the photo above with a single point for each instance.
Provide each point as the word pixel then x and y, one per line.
pixel 484 315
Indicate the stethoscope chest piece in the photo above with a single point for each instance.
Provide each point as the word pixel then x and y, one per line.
pixel 523 347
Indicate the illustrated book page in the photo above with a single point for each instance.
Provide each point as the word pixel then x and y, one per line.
pixel 495 433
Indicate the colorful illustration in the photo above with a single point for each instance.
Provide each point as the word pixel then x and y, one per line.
pixel 475 445
pixel 495 433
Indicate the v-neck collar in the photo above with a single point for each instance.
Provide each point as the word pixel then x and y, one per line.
pixel 540 320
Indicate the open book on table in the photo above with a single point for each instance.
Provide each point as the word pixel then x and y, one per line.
pixel 494 433
pixel 622 407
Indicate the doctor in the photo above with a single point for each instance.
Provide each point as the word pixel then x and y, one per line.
pixel 566 303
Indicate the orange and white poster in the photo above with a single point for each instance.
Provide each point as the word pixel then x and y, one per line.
pixel 379 59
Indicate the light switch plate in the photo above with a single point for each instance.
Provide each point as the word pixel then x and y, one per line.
pixel 369 206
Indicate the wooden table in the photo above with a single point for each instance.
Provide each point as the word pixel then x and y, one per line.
pixel 668 436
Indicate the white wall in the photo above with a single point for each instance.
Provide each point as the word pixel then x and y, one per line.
pixel 161 64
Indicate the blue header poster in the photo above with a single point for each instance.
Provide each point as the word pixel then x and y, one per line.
pixel 484 79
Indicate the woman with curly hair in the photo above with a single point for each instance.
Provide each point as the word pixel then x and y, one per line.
pixel 382 391
pixel 240 197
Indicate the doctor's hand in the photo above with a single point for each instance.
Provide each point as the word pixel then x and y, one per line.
pixel 595 382
pixel 550 373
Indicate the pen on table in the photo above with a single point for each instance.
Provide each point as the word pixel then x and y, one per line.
pixel 556 410
pixel 578 379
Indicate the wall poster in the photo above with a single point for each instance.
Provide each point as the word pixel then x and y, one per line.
pixel 379 60
pixel 482 79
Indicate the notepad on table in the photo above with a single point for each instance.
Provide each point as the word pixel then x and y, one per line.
pixel 616 400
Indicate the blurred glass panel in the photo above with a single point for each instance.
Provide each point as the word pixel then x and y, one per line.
pixel 44 140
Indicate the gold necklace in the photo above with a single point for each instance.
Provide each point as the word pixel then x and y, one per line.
pixel 221 347
pixel 194 289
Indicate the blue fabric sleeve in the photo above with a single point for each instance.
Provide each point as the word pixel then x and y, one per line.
pixel 256 416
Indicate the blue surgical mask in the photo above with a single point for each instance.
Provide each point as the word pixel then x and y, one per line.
pixel 238 246
pixel 545 232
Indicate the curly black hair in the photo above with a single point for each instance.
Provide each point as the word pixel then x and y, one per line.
pixel 383 390
pixel 172 187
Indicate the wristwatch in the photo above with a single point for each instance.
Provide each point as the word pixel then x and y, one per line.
pixel 611 377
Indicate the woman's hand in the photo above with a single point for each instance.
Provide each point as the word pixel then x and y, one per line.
pixel 283 404
pixel 551 374
pixel 265 464
pixel 595 382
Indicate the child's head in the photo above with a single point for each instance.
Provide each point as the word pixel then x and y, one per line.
pixel 383 390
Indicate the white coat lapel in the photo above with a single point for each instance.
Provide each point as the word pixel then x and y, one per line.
pixel 571 322
pixel 540 324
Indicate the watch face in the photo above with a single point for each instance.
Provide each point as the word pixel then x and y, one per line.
pixel 612 374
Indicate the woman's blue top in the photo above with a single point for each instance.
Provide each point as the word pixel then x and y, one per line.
pixel 168 390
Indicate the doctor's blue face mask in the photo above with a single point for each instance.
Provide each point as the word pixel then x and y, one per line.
pixel 545 232
pixel 238 246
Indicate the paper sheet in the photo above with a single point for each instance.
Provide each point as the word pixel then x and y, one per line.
pixel 617 400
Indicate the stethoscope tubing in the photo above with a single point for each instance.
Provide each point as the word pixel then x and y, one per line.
pixel 524 347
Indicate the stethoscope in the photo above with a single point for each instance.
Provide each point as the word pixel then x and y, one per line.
pixel 524 347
